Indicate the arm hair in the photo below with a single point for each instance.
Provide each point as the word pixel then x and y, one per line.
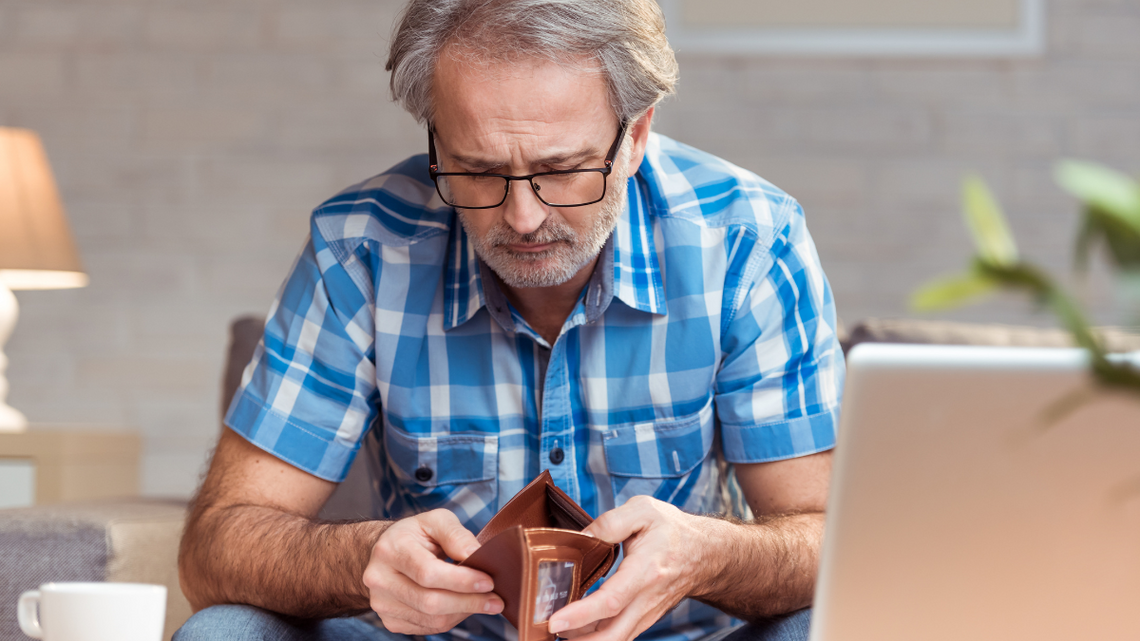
pixel 252 538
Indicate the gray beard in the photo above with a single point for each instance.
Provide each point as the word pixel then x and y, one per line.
pixel 571 251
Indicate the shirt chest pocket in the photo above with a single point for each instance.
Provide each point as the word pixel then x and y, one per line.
pixel 662 459
pixel 657 450
pixel 438 468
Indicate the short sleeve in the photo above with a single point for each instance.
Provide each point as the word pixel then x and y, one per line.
pixel 781 378
pixel 309 394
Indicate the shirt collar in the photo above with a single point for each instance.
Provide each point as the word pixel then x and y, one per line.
pixel 463 284
pixel 637 279
pixel 627 268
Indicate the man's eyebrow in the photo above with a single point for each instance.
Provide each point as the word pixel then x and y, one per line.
pixel 481 164
pixel 475 163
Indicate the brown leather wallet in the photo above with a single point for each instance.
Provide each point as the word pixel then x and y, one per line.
pixel 537 557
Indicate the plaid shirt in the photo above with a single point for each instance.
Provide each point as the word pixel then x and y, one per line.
pixel 706 334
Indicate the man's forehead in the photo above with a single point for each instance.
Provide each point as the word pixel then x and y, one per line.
pixel 483 154
pixel 485 63
pixel 537 99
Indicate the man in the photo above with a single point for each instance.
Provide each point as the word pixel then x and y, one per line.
pixel 553 288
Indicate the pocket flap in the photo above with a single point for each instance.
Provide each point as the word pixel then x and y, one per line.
pixel 430 461
pixel 659 449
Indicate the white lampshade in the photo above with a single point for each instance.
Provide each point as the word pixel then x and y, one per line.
pixel 36 247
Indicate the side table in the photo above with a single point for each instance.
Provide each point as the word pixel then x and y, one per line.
pixel 56 463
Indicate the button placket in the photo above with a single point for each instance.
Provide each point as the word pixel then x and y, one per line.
pixel 556 421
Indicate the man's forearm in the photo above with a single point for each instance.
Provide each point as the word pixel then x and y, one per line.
pixel 275 560
pixel 762 568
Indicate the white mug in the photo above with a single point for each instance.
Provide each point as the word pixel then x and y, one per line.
pixel 93 612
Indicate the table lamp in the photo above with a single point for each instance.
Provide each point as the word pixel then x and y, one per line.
pixel 36 247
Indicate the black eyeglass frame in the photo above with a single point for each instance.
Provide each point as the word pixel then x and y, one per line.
pixel 433 171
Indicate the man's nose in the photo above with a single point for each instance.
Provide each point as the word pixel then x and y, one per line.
pixel 524 211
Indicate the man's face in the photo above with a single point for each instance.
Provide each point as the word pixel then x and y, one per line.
pixel 523 118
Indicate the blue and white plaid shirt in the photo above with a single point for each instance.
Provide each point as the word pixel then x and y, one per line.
pixel 706 334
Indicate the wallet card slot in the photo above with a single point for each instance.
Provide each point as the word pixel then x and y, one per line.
pixel 563 513
pixel 597 556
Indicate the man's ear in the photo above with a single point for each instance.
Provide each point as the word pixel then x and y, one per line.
pixel 639 131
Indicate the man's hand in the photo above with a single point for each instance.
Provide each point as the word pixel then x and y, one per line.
pixel 664 563
pixel 413 589
pixel 752 570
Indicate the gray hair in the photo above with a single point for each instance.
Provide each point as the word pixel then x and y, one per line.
pixel 625 39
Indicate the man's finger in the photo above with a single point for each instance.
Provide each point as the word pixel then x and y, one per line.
pixel 609 601
pixel 436 602
pixel 623 627
pixel 427 570
pixel 444 527
pixel 578 632
pixel 616 525
pixel 403 620
pixel 409 557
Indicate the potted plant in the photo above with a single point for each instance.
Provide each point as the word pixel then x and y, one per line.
pixel 1111 218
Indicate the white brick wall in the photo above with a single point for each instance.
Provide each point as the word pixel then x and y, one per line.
pixel 190 140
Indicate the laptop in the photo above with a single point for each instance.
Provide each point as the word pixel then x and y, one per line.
pixel 981 493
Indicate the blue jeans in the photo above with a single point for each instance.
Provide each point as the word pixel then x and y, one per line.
pixel 247 623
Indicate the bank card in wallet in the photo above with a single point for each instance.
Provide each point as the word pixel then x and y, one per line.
pixel 537 556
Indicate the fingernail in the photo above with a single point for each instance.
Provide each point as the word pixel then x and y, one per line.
pixel 483 586
pixel 557 626
pixel 493 606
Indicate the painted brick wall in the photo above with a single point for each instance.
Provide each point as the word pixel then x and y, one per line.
pixel 190 141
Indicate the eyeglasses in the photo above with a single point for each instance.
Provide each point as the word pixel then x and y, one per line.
pixel 562 188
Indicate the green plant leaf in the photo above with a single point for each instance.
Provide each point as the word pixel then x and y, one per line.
pixel 1118 375
pixel 952 291
pixel 1121 239
pixel 1019 276
pixel 1086 237
pixel 987 224
pixel 1071 316
pixel 1108 190
pixel 1112 215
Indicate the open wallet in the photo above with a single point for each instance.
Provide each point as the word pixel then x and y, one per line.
pixel 534 551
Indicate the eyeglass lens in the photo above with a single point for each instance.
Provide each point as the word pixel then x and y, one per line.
pixel 565 190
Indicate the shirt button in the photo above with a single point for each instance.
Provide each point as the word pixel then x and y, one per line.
pixel 557 455
pixel 424 474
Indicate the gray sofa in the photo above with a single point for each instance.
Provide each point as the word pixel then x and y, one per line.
pixel 137 539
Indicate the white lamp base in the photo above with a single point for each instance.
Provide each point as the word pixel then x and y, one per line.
pixel 11 420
